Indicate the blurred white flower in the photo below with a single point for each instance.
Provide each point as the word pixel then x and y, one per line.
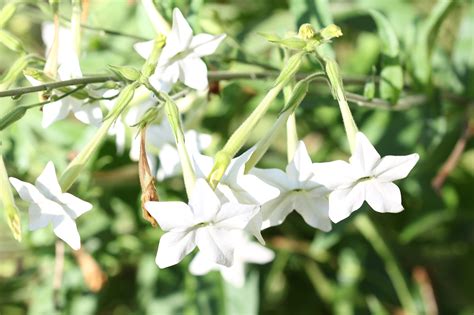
pixel 300 190
pixel 204 222
pixel 367 177
pixel 48 204
pixel 69 68
pixel 245 252
pixel 180 58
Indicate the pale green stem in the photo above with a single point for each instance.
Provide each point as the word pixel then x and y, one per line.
pixel 333 73
pixel 76 26
pixel 240 136
pixel 367 228
pixel 77 165
pixel 157 21
pixel 6 196
pixel 172 112
pixel 264 143
pixel 291 131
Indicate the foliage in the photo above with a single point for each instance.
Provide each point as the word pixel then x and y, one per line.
pixel 413 59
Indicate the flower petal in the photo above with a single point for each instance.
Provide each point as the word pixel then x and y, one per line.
pixel 216 244
pixel 173 247
pixel 202 164
pixel 170 164
pixel 144 48
pixel 275 211
pixel 75 206
pixel 255 253
pixel 383 197
pixel 65 228
pixel 55 111
pixel 170 214
pixel 235 215
pixel 274 177
pixel 179 38
pixel 90 114
pixel 393 167
pixel 204 202
pixel 314 210
pixel 201 265
pixel 365 157
pixel 300 169
pixel 206 44
pixel 342 202
pixel 235 274
pixel 38 220
pixel 26 190
pixel 334 174
pixel 193 73
pixel 47 182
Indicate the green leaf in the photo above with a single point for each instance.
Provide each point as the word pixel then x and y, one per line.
pixel 427 33
pixel 391 80
pixel 390 46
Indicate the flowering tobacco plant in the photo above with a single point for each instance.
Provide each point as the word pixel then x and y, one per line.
pixel 153 112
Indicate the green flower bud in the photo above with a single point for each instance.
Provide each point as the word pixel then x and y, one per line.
pixel 331 31
pixel 299 93
pixel 306 31
pixel 6 198
pixel 125 72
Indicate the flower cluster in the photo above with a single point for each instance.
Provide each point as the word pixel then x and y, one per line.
pixel 218 219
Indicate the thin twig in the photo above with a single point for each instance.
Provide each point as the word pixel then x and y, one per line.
pixel 454 157
pixel 58 84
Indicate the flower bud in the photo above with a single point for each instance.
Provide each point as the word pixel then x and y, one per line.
pixel 306 31
pixel 331 31
pixel 125 72
pixel 290 69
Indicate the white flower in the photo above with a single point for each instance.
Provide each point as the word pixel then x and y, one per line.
pixel 367 177
pixel 245 252
pixel 239 187
pixel 204 222
pixel 181 56
pixel 300 190
pixel 69 68
pixel 48 204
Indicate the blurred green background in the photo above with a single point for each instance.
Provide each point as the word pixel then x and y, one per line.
pixel 345 271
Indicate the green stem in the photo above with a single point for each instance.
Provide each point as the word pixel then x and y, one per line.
pixel 77 165
pixel 370 232
pixel 291 131
pixel 333 73
pixel 6 197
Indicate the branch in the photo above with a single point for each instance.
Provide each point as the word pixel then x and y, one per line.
pixel 54 85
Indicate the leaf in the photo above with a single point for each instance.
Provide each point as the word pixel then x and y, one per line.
pixel 428 31
pixel 391 80
pixel 390 46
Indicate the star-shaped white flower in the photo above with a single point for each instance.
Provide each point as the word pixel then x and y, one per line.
pixel 300 190
pixel 48 204
pixel 69 68
pixel 245 252
pixel 239 187
pixel 367 177
pixel 204 222
pixel 180 58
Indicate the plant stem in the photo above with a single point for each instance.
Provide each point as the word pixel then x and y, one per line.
pixel 370 232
